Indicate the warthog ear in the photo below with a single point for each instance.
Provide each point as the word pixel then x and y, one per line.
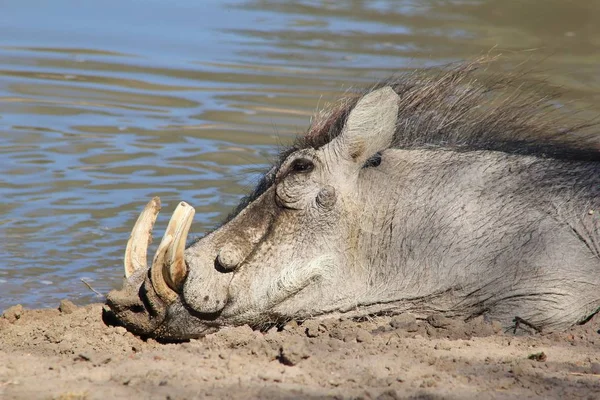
pixel 370 127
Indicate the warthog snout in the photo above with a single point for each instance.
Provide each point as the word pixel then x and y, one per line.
pixel 141 302
pixel 149 293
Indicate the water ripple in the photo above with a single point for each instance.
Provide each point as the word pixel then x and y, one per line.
pixel 106 104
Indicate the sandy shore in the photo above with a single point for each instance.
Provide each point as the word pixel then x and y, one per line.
pixel 71 354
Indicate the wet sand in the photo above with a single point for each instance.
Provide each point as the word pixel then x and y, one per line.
pixel 72 354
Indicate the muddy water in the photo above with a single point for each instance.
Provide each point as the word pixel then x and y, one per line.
pixel 106 104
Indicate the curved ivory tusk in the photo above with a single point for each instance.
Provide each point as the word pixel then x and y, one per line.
pixel 168 268
pixel 141 236
pixel 156 272
pixel 175 269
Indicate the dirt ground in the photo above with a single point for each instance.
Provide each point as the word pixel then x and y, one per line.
pixel 69 353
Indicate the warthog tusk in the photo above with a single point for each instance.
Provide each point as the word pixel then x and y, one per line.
pixel 168 268
pixel 156 272
pixel 175 260
pixel 136 252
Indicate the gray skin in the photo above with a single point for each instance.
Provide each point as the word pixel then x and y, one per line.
pixel 358 226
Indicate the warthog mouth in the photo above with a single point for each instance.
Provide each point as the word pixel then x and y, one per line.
pixel 143 303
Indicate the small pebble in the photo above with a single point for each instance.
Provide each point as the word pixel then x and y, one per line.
pixel 439 321
pixel 13 313
pixel 291 353
pixel 362 336
pixel 541 356
pixel 120 330
pixel 311 328
pixel 291 326
pixel 406 321
pixel 66 307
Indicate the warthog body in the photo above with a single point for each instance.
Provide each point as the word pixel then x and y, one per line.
pixel 428 193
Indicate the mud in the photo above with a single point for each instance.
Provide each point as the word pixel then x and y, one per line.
pixel 70 353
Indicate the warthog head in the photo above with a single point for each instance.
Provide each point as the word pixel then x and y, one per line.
pixel 425 193
pixel 291 252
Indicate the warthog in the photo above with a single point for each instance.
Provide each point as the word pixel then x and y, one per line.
pixel 429 193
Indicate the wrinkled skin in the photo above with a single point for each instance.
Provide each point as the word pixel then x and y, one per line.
pixel 356 227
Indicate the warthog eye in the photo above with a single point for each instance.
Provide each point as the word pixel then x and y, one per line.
pixel 374 161
pixel 302 165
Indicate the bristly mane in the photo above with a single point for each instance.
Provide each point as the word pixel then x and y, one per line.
pixel 452 108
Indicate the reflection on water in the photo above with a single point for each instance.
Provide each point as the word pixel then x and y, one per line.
pixel 106 104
